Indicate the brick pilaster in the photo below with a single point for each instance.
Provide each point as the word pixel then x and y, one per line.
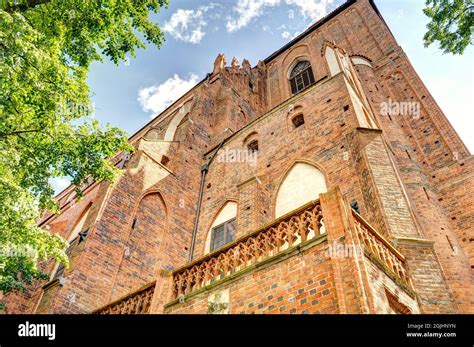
pixel 352 289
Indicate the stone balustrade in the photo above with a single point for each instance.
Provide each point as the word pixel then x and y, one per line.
pixel 138 302
pixel 285 232
pixel 381 249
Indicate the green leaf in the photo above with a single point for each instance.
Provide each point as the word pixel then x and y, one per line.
pixel 451 25
pixel 46 124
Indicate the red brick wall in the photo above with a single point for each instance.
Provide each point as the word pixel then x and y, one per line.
pixel 382 286
pixel 63 226
pixel 143 249
pixel 300 284
pixel 321 141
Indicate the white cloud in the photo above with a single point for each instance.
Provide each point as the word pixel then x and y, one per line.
pixel 287 35
pixel 247 10
pixel 187 25
pixel 158 97
pixel 314 9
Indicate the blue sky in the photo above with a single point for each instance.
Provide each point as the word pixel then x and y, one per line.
pixel 130 94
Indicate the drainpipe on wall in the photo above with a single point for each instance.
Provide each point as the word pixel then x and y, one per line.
pixel 204 171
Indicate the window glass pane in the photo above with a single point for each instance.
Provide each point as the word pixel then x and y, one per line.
pixel 223 234
pixel 294 90
pixel 230 232
pixel 301 66
pixel 311 77
pixel 301 77
pixel 299 83
pixel 305 78
pixel 217 237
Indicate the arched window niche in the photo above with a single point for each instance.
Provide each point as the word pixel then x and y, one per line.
pixel 302 183
pixel 77 235
pixel 222 230
pixel 142 249
pixel 360 60
pixel 301 76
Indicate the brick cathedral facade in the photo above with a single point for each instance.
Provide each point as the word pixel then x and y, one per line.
pixel 280 188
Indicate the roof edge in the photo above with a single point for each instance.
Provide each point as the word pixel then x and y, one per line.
pixel 311 28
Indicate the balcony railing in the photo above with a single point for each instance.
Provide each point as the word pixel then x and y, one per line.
pixel 285 232
pixel 137 302
pixel 382 249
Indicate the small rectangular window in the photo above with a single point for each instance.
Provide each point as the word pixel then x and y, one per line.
pixel 298 120
pixel 165 160
pixel 222 234
pixel 253 146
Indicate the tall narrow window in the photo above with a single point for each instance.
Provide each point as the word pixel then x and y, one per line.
pixel 69 251
pixel 222 234
pixel 301 77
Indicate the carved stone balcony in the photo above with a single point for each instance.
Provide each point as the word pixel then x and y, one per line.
pixel 138 302
pixel 376 246
pixel 285 232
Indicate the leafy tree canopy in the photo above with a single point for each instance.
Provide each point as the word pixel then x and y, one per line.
pixel 451 25
pixel 46 124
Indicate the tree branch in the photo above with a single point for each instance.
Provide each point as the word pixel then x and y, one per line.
pixel 13 133
pixel 27 4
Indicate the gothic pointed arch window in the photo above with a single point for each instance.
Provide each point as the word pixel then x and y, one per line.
pixel 301 76
pixel 302 183
pixel 77 236
pixel 223 228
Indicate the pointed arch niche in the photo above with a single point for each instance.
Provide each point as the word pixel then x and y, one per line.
pixel 227 213
pixel 178 117
pixel 302 183
pixel 76 236
pixel 80 224
pixel 142 249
